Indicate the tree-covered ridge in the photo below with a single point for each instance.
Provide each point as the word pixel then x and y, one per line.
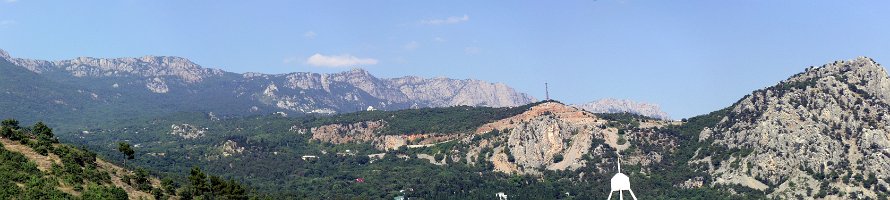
pixel 455 119
pixel 34 165
pixel 77 177
pixel 272 159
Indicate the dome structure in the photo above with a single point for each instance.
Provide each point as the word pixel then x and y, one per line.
pixel 620 182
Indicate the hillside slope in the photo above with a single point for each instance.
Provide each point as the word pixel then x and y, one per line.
pixel 30 171
pixel 821 133
pixel 34 165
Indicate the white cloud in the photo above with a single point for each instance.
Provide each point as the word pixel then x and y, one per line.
pixel 310 35
pixel 344 60
pixel 411 46
pixel 449 20
pixel 11 1
pixel 439 39
pixel 472 50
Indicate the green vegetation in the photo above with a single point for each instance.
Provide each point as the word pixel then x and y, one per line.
pixel 273 148
pixel 202 186
pixel 79 171
pixel 425 120
pixel 125 149
pixel 16 169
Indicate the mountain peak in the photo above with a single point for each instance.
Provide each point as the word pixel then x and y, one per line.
pixel 4 54
pixel 835 113
pixel 356 72
pixel 610 105
pixel 860 74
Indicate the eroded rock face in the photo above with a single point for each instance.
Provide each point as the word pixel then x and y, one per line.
pixel 827 120
pixel 362 132
pixel 536 138
pixel 347 133
pixel 187 131
pixel 230 148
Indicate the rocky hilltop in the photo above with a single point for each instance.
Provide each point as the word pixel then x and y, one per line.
pixel 822 133
pixel 166 84
pixel 609 105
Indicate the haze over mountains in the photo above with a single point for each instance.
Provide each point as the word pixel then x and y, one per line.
pixel 162 84
pixel 610 105
pixel 821 133
pixel 165 84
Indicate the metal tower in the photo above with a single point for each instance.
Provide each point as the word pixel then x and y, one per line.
pixel 547 91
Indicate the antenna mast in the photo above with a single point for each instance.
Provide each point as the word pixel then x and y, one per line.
pixel 619 163
pixel 547 90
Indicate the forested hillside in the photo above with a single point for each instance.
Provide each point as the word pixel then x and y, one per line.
pixel 284 156
pixel 34 165
pixel 544 150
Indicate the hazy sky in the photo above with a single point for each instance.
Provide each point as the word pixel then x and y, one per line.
pixel 691 57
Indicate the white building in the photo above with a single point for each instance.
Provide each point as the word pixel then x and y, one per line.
pixel 620 183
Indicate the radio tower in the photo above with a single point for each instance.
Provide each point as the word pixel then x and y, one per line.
pixel 547 91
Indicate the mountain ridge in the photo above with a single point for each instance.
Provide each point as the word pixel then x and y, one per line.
pixel 817 129
pixel 612 105
pixel 150 81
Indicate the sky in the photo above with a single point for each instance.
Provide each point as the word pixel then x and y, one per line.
pixel 690 57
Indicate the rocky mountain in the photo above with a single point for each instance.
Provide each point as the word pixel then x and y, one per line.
pixel 610 105
pixel 154 85
pixel 822 133
pixel 549 136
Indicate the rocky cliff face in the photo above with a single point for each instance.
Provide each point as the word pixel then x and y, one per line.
pixel 358 89
pixel 822 133
pixel 553 136
pixel 624 106
pixel 171 84
pixel 550 136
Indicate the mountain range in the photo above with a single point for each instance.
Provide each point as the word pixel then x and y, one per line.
pixel 820 134
pixel 611 105
pixel 156 85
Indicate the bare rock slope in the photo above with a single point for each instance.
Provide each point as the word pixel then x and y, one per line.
pixel 822 133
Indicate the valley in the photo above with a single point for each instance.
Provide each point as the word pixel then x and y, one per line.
pixel 797 139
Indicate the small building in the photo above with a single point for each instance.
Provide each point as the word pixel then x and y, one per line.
pixel 308 157
pixel 501 196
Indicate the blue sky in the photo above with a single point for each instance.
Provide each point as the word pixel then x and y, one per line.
pixel 691 57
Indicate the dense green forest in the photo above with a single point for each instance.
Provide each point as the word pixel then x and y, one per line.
pixel 80 176
pixel 271 160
